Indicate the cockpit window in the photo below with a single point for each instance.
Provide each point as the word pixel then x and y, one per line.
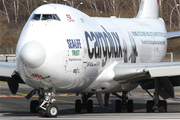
pixel 36 17
pixel 55 17
pixel 45 17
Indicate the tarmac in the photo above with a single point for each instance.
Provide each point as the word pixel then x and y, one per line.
pixel 16 107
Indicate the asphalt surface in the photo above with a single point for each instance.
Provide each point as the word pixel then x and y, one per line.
pixel 17 107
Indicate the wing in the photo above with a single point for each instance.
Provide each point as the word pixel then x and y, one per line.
pixel 145 74
pixel 127 72
pixel 171 35
pixel 9 73
pixel 7 69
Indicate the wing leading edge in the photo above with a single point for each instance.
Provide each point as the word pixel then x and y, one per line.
pixel 7 68
pixel 150 76
pixel 9 73
pixel 132 72
pixel 171 35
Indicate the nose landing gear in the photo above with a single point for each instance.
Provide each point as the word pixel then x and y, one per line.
pixel 45 104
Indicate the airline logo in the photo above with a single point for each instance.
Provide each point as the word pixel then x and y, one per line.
pixel 108 41
pixel 69 18
pixel 74 43
pixel 75 52
pixel 107 45
pixel 38 77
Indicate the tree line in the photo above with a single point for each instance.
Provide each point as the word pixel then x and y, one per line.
pixel 14 14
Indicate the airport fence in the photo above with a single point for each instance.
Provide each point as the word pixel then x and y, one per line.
pixel 172 57
pixel 7 50
pixel 7 58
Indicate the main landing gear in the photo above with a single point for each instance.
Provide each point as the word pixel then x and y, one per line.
pixel 124 104
pixel 161 106
pixel 84 103
pixel 88 104
pixel 156 103
pixel 45 105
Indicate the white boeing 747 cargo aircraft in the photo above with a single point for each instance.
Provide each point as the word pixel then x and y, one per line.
pixel 62 50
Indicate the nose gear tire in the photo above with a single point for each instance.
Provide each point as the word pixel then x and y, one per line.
pixel 52 111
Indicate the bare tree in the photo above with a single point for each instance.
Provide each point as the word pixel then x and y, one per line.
pixel 89 2
pixel 27 2
pixel 6 12
pixel 114 6
pixel 179 14
pixel 16 9
pixel 70 2
pixel 135 7
pixel 26 7
pixel 93 5
pixel 161 8
pixel 105 8
pixel 178 11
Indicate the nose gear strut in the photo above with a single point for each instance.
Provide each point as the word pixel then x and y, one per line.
pixel 46 107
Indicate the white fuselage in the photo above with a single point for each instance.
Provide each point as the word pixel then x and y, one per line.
pixel 74 54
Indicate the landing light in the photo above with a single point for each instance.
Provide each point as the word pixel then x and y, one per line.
pixel 138 71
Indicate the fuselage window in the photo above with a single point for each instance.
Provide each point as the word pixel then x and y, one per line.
pixel 36 17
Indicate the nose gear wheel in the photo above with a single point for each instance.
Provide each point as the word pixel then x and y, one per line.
pixel 45 104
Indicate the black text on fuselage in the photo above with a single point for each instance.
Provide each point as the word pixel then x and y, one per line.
pixel 109 44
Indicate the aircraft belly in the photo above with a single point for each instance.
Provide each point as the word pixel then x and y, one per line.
pixel 112 87
pixel 78 76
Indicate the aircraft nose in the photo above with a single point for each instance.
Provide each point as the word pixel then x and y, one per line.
pixel 33 54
